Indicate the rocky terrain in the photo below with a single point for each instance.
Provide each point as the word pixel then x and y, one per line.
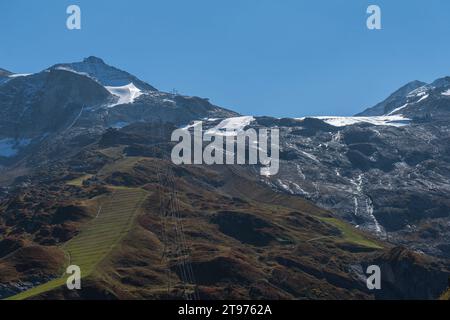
pixel 351 192
pixel 4 75
pixel 416 100
pixel 90 95
pixel 391 181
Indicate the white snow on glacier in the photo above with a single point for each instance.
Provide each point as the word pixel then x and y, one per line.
pixel 392 120
pixel 127 94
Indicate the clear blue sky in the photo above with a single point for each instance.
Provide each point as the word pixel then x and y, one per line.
pixel 261 57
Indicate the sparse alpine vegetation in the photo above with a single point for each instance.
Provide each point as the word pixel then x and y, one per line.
pixel 86 179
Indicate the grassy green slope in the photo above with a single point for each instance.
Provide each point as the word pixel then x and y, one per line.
pixel 78 182
pixel 103 233
pixel 350 234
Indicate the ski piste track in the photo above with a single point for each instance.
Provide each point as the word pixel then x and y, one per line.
pixel 113 221
pixel 176 253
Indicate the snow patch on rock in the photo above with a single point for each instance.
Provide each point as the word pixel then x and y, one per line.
pixel 18 75
pixel 231 126
pixel 390 120
pixel 126 94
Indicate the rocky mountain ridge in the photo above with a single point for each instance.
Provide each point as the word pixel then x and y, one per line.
pixel 416 100
pixel 72 133
pixel 85 95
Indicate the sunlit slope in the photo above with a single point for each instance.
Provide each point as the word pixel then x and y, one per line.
pixel 97 239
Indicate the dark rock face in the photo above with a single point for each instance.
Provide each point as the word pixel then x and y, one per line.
pixel 164 107
pixel 46 102
pixel 75 99
pixel 397 99
pixel 105 74
pixel 4 75
pixel 405 274
pixel 417 100
pixel 392 181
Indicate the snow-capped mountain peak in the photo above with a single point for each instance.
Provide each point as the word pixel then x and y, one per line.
pixel 103 73
pixel 416 100
pixel 89 94
pixel 93 59
pixel 5 73
pixel 441 82
pixel 395 100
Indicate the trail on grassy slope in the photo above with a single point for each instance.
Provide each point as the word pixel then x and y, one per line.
pixel 98 238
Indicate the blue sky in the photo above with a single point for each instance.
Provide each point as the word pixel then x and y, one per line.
pixel 260 57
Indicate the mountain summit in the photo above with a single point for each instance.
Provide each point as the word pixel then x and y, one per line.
pixel 416 100
pixel 86 95
pixel 85 173
pixel 5 73
pixel 393 101
pixel 105 74
pixel 93 59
